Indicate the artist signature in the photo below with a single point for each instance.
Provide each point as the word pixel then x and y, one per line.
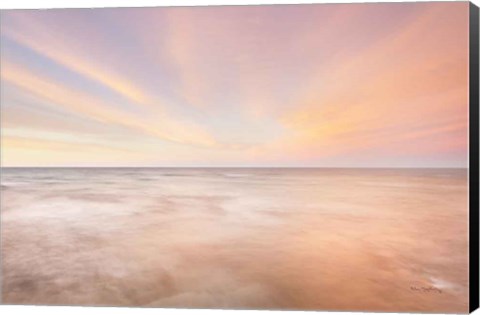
pixel 429 289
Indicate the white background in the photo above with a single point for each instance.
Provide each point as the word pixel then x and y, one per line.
pixel 35 4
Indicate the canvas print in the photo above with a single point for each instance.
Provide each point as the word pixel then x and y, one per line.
pixel 294 157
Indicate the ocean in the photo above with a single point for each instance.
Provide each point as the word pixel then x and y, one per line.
pixel 241 238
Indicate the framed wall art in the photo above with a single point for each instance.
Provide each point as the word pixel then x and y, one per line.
pixel 282 157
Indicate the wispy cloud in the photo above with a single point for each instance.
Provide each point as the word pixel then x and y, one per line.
pixel 80 103
pixel 330 85
pixel 60 49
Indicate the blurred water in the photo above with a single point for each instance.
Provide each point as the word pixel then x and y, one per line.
pixel 330 239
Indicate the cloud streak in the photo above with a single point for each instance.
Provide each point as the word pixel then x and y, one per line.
pixel 332 85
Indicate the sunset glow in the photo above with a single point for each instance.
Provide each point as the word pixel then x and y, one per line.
pixel 366 85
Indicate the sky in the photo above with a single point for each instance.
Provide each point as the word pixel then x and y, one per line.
pixel 330 85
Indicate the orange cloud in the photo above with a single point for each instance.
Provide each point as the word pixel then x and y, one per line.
pixel 232 85
pixel 157 125
pixel 415 78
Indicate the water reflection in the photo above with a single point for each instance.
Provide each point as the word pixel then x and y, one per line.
pixel 343 239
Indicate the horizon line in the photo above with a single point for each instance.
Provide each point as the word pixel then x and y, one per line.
pixel 246 167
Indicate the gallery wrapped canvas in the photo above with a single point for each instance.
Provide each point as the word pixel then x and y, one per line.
pixel 290 157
